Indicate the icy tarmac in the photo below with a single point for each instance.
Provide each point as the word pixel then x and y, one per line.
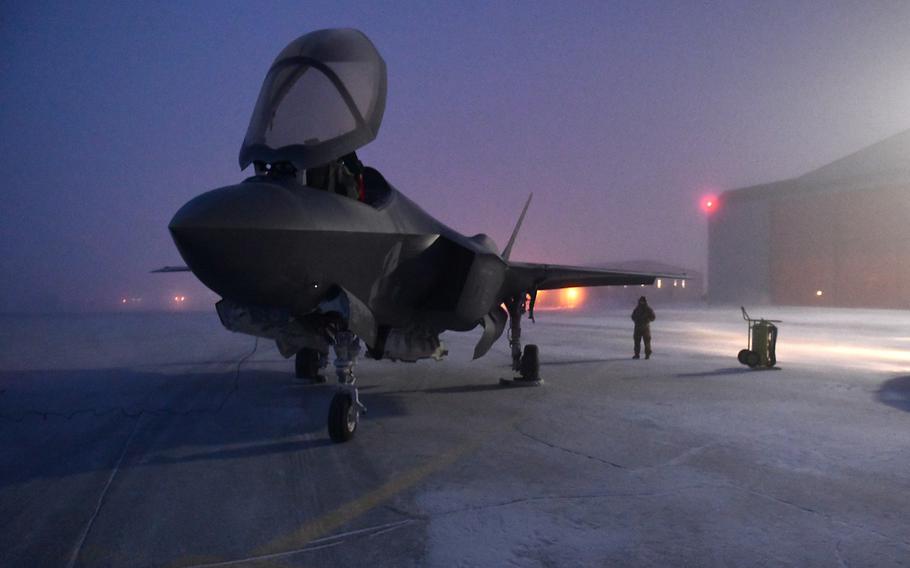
pixel 164 440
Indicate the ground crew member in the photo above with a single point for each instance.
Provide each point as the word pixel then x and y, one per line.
pixel 642 315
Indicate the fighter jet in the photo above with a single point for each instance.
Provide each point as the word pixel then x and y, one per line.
pixel 317 251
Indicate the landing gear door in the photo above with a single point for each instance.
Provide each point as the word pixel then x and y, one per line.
pixel 322 98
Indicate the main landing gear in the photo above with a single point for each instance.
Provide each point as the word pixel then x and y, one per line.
pixel 345 408
pixel 308 363
pixel 527 362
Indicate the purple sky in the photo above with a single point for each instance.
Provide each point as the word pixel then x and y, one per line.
pixel 618 115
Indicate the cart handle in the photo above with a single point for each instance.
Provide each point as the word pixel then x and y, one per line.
pixel 750 320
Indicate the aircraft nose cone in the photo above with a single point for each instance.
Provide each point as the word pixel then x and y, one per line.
pixel 240 241
pixel 245 205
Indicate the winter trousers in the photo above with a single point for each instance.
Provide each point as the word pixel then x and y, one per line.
pixel 638 335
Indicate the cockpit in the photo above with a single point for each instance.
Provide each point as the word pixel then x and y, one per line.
pixel 322 99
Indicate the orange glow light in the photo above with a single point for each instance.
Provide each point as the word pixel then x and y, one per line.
pixel 562 299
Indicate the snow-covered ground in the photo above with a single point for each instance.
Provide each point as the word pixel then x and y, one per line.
pixel 162 439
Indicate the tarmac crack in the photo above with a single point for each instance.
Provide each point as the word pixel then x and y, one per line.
pixel 840 555
pixel 419 517
pixel 406 514
pixel 809 510
pixel 101 498
pixel 314 545
pixel 122 410
pixel 567 450
pixel 682 457
pixel 575 497
pixel 780 500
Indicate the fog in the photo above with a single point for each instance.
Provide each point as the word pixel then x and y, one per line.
pixel 619 116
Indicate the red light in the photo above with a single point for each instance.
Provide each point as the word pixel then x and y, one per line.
pixel 709 204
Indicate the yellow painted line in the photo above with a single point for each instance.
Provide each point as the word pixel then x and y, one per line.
pixel 349 511
pixel 322 528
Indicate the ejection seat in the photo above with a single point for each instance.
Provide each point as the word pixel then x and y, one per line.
pixel 376 190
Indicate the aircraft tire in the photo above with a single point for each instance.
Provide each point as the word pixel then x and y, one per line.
pixel 741 356
pixel 342 418
pixel 306 364
pixel 530 363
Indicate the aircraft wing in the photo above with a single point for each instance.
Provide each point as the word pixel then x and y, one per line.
pixel 533 276
pixel 172 269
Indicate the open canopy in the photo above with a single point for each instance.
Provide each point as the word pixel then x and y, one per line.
pixel 323 98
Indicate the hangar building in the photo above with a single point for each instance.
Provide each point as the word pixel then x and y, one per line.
pixel 836 236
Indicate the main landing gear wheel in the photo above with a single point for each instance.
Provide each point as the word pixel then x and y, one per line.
pixel 529 368
pixel 307 364
pixel 530 363
pixel 343 417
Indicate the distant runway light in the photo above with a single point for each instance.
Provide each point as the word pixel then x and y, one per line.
pixel 818 292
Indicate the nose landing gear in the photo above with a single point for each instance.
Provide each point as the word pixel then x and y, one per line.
pixel 345 408
pixel 344 413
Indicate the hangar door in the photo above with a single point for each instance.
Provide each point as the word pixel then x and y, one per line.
pixel 845 249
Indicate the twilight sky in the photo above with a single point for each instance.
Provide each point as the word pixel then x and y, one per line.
pixel 617 115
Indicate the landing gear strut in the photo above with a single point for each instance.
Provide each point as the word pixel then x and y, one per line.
pixel 516 307
pixel 527 363
pixel 345 409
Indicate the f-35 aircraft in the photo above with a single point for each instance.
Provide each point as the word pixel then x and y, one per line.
pixel 316 250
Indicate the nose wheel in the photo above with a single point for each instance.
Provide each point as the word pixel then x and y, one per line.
pixel 344 414
pixel 345 408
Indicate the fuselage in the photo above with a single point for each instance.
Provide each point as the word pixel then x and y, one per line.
pixel 276 243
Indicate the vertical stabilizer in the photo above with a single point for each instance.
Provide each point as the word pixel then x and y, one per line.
pixel 508 250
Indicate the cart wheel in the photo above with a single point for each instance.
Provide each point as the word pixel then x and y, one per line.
pixel 741 356
pixel 752 359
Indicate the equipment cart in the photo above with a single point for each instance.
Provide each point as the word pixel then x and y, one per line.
pixel 761 341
